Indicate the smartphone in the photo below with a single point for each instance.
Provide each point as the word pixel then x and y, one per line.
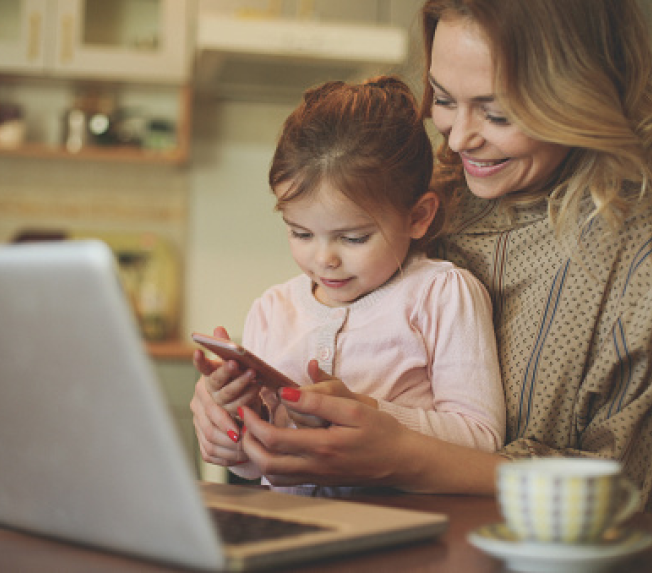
pixel 226 349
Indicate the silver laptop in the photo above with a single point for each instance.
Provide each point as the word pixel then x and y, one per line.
pixel 89 451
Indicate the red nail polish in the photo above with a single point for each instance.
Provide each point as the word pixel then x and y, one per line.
pixel 234 437
pixel 244 430
pixel 240 412
pixel 290 394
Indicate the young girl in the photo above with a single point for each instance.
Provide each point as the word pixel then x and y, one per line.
pixel 384 324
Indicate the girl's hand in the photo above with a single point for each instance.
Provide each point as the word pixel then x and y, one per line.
pixel 220 391
pixel 322 384
pixel 218 434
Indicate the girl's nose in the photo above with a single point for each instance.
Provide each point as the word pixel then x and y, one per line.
pixel 327 257
pixel 465 132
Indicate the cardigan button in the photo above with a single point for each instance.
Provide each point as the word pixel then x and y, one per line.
pixel 324 353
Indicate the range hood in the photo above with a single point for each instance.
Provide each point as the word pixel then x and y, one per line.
pixel 277 59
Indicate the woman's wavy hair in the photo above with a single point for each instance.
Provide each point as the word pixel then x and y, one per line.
pixel 576 73
pixel 366 140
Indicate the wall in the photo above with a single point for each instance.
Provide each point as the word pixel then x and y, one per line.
pixel 236 242
pixel 217 211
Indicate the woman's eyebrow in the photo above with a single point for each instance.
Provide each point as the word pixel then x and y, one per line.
pixel 478 99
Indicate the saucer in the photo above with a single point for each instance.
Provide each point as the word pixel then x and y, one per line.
pixel 532 557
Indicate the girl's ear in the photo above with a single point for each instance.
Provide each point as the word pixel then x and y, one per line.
pixel 422 214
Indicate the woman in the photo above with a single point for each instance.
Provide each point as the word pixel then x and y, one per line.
pixel 547 148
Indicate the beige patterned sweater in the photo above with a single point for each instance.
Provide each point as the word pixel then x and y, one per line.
pixel 574 331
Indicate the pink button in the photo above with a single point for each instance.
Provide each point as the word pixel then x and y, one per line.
pixel 324 353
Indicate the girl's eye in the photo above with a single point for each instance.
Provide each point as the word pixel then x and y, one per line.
pixel 302 235
pixel 356 240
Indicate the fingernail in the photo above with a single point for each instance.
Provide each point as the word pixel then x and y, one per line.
pixel 240 412
pixel 244 430
pixel 233 435
pixel 290 394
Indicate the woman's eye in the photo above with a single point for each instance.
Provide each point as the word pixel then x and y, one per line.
pixel 496 119
pixel 356 240
pixel 442 102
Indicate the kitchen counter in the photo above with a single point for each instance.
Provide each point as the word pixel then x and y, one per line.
pixel 170 350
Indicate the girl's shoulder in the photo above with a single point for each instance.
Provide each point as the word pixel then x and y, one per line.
pixel 284 293
pixel 431 276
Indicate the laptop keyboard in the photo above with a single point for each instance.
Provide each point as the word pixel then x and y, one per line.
pixel 237 528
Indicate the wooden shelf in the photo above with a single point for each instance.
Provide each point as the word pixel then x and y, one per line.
pixel 170 350
pixel 178 155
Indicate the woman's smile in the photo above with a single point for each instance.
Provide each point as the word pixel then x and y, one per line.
pixel 478 168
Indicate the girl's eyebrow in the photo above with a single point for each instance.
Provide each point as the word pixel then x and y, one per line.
pixel 478 99
pixel 292 224
pixel 357 228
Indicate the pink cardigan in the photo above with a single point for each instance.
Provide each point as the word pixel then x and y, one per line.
pixel 423 345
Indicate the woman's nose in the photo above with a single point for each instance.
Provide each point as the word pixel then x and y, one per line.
pixel 465 132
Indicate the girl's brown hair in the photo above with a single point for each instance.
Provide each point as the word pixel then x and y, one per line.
pixel 576 73
pixel 366 140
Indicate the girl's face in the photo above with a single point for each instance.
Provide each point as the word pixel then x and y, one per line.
pixel 341 247
pixel 498 157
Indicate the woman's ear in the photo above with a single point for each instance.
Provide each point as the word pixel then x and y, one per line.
pixel 422 214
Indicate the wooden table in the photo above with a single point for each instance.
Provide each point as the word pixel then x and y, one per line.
pixel 452 553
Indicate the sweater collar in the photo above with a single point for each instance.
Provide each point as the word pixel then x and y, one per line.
pixel 303 292
pixel 476 215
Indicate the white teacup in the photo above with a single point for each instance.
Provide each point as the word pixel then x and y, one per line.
pixel 564 500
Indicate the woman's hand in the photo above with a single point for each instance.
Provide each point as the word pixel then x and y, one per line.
pixel 344 453
pixel 362 446
pixel 219 392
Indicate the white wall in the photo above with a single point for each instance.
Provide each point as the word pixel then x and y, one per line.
pixel 237 244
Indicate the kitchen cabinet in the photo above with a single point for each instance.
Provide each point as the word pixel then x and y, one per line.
pixel 139 40
pixel 22 35
pixel 137 54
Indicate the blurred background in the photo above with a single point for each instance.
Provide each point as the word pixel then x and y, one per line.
pixel 150 124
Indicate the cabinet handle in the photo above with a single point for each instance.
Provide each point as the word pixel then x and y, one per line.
pixel 34 38
pixel 67 30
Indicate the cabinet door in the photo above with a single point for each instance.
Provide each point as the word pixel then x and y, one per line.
pixel 23 29
pixel 123 39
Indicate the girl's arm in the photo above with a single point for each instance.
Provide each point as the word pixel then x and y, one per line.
pixel 468 408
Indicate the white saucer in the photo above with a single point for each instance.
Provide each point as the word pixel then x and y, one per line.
pixel 532 557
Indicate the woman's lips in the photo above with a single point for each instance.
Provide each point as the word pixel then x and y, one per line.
pixel 477 168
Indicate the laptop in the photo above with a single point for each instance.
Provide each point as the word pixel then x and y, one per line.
pixel 91 455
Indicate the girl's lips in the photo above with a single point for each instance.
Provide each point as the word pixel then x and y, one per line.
pixel 477 168
pixel 331 283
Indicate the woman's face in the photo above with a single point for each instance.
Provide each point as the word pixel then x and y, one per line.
pixel 498 157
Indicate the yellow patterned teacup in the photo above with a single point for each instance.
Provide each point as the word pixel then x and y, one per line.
pixel 564 500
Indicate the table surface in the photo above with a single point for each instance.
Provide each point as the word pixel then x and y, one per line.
pixel 450 553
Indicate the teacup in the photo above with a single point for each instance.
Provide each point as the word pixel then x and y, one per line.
pixel 564 500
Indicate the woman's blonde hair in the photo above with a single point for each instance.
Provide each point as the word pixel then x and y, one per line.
pixel 576 73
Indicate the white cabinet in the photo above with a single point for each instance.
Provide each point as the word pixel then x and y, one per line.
pixel 133 40
pixel 137 54
pixel 22 35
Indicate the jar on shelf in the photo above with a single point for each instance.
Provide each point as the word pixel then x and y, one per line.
pixel 12 126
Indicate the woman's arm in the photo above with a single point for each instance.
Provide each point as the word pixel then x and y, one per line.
pixel 363 446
